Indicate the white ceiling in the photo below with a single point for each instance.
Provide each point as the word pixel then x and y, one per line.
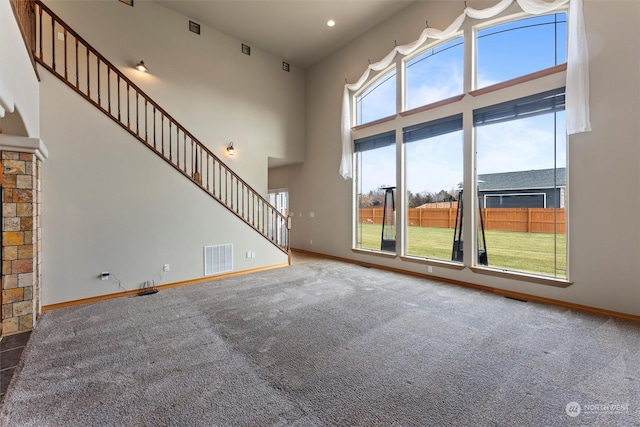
pixel 295 30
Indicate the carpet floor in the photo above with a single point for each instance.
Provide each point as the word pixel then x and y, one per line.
pixel 325 343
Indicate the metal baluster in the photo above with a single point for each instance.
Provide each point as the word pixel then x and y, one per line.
pixel 109 88
pixel 53 44
pixel 128 105
pixel 88 79
pixel 98 65
pixel 146 126
pixel 192 160
pixel 177 146
pixel 119 98
pixel 40 32
pixel 213 178
pixel 184 163
pixel 154 128
pixel 77 66
pixel 137 110
pixel 196 174
pixel 226 186
pixel 66 74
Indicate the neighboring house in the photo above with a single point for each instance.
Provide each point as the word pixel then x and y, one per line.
pixel 523 189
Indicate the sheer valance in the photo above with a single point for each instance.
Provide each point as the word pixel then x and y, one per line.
pixel 577 85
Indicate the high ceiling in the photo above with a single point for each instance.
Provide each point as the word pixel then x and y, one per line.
pixel 295 30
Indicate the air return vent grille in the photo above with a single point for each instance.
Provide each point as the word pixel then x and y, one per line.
pixel 218 259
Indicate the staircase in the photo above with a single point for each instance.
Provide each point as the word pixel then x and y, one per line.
pixel 83 69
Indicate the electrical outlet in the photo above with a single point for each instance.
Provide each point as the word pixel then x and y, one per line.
pixel 60 36
pixel 104 275
pixel 311 242
pixel 430 269
pixel 166 267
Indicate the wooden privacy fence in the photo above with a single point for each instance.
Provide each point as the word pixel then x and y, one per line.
pixel 534 220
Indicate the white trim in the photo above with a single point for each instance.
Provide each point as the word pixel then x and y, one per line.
pixel 7 102
pixel 23 144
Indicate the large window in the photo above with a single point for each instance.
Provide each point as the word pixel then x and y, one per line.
pixel 521 166
pixel 375 171
pixel 378 100
pixel 520 47
pixel 506 161
pixel 435 74
pixel 434 171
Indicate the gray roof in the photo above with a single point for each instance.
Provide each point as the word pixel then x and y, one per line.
pixel 523 180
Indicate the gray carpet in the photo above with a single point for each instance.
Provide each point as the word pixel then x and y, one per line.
pixel 325 343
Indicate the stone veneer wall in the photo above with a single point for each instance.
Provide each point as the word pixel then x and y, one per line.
pixel 21 241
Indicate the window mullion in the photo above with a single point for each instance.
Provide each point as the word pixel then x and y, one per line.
pixel 469 199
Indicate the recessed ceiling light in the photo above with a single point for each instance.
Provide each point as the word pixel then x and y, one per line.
pixel 331 23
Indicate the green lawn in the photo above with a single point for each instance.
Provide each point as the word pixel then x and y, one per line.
pixel 511 250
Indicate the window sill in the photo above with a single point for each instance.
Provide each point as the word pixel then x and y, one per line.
pixel 432 106
pixel 375 122
pixel 434 262
pixel 513 275
pixel 518 80
pixel 374 252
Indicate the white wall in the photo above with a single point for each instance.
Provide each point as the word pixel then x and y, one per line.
pixel 110 204
pixel 203 81
pixel 604 178
pixel 18 81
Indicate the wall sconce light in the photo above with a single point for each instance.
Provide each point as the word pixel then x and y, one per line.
pixel 230 149
pixel 141 67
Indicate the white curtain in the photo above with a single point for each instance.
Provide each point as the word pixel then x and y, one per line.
pixel 577 95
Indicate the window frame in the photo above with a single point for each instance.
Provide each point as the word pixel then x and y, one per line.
pixel 371 137
pixel 354 97
pixel 414 55
pixel 466 103
pixel 499 21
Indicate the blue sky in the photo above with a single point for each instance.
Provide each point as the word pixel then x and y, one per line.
pixel 436 164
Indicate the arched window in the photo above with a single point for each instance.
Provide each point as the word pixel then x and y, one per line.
pixel 435 74
pixel 378 99
pixel 520 47
pixel 509 156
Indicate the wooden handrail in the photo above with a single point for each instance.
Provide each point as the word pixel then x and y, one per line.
pixel 96 79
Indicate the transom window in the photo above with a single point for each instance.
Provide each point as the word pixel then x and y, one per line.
pixel 517 48
pixel 435 74
pixel 378 100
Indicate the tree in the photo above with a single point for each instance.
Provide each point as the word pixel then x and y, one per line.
pixel 373 198
pixel 418 199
